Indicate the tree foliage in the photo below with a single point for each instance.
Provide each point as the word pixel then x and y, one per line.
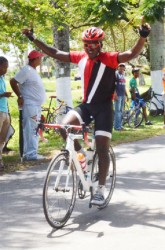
pixel 154 9
pixel 115 16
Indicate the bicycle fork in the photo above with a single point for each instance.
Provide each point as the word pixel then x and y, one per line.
pixel 60 171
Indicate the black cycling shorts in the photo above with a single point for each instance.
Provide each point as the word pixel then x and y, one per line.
pixel 102 114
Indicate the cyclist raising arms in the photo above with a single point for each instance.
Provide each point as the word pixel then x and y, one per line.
pixel 97 70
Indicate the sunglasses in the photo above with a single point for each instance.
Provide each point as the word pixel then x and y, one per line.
pixel 91 45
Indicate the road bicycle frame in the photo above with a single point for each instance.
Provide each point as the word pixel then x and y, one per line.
pixel 61 186
pixel 87 183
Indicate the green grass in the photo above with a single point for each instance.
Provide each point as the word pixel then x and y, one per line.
pixel 12 161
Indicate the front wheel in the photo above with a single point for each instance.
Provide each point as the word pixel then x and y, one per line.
pixel 110 179
pixel 59 192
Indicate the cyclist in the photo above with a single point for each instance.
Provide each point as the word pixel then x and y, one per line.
pixel 97 70
pixel 135 94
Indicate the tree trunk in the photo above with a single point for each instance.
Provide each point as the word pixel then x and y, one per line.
pixel 63 83
pixel 157 55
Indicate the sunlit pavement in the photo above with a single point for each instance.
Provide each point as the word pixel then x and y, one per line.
pixel 134 220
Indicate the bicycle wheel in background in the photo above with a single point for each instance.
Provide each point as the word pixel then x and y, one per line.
pixel 135 119
pixel 111 176
pixel 152 108
pixel 59 192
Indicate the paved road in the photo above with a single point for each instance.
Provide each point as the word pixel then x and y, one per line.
pixel 134 220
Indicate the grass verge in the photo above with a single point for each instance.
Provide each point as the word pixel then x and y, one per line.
pixel 48 149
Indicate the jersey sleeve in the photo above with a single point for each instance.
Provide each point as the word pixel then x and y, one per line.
pixel 111 59
pixel 76 56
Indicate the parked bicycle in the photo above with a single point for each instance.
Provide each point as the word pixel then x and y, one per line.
pixel 152 100
pixel 54 114
pixel 153 107
pixel 133 115
pixel 136 115
pixel 65 177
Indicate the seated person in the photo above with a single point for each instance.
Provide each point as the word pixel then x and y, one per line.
pixel 135 94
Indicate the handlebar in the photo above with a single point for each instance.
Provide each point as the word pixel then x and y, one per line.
pixel 81 127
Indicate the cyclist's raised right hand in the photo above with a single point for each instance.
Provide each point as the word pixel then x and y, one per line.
pixel 29 34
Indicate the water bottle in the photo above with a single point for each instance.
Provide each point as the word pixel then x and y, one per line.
pixel 88 176
pixel 81 158
pixel 89 158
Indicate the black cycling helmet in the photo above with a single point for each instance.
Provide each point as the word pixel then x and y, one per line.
pixel 93 34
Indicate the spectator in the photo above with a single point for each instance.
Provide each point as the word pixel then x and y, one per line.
pixel 98 78
pixel 119 96
pixel 163 94
pixel 135 93
pixel 4 112
pixel 28 86
pixel 10 134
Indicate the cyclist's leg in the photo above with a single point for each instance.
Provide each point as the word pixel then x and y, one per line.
pixel 102 149
pixel 76 117
pixel 103 134
pixel 103 130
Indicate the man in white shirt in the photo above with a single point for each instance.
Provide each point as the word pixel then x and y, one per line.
pixel 28 86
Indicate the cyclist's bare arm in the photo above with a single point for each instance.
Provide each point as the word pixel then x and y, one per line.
pixel 50 51
pixel 53 52
pixel 132 53
pixel 128 55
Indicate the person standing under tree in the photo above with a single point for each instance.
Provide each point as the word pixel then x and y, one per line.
pixel 119 96
pixel 28 86
pixel 97 70
pixel 4 112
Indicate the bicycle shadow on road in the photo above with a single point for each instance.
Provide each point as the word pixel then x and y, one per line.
pixel 120 215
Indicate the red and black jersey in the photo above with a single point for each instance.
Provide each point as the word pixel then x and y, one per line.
pixel 98 75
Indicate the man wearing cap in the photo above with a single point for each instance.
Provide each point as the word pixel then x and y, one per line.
pixel 119 96
pixel 28 86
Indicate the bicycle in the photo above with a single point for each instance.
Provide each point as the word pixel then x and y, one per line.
pixel 152 106
pixel 54 115
pixel 135 118
pixel 61 182
pixel 133 115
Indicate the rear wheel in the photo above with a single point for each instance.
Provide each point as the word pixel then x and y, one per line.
pixel 110 179
pixel 59 192
pixel 152 108
pixel 135 119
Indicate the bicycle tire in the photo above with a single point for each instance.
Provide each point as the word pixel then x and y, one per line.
pixel 154 111
pixel 111 176
pixel 59 200
pixel 125 116
pixel 135 119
